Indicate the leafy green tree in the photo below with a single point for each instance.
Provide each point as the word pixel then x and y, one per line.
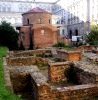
pixel 8 36
pixel 92 37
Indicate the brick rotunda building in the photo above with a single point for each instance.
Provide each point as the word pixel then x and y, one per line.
pixel 37 30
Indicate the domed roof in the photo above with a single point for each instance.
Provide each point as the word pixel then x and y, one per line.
pixel 36 10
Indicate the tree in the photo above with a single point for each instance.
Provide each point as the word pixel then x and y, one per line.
pixel 8 36
pixel 92 37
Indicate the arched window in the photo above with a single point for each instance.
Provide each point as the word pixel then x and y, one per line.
pixel 76 32
pixel 28 21
pixel 49 21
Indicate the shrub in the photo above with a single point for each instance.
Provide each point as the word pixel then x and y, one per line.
pixel 8 36
pixel 92 37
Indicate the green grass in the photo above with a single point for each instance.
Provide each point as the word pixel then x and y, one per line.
pixel 69 48
pixel 4 93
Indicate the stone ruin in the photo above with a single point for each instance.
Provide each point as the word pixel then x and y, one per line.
pixel 52 74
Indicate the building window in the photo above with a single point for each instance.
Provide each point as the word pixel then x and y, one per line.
pixel 76 32
pixel 28 21
pixel 63 32
pixel 42 32
pixel 70 34
pixel 39 21
pixel 9 9
pixel 49 21
pixel 0 8
pixel 4 9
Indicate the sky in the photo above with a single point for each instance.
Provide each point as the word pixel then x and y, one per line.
pixel 62 2
pixel 51 1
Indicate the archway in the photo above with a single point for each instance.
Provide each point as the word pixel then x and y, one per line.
pixel 76 32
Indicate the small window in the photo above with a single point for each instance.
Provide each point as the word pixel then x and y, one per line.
pixel 49 21
pixel 28 21
pixel 39 20
pixel 63 32
pixel 4 9
pixel 9 9
pixel 42 32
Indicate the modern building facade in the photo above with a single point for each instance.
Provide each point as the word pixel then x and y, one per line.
pixel 81 15
pixel 37 30
pixel 60 17
pixel 11 10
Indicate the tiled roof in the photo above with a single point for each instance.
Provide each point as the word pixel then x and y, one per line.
pixel 36 10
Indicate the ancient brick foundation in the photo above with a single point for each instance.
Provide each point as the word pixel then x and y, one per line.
pixel 26 61
pixel 57 72
pixel 24 75
pixel 38 52
pixel 85 48
pixel 69 56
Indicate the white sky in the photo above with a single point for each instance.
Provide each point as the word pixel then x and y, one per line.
pixel 62 2
pixel 51 1
pixel 46 1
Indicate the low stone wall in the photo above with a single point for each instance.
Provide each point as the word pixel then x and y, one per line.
pixel 91 57
pixel 44 91
pixel 41 88
pixel 38 52
pixel 20 77
pixel 23 77
pixel 85 48
pixel 57 72
pixel 26 76
pixel 69 56
pixel 8 82
pixel 25 61
pixel 86 73
pixel 79 92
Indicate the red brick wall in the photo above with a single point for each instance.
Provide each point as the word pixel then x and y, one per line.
pixel 46 39
pixel 39 22
pixel 25 36
pixel 34 18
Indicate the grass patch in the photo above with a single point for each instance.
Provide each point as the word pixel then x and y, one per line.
pixel 70 48
pixel 62 45
pixel 4 93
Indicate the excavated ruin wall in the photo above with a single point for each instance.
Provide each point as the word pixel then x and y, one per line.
pixel 58 72
pixel 41 89
pixel 84 77
pixel 20 77
pixel 45 92
pixel 69 56
pixel 8 82
pixel 25 61
pixel 85 48
pixel 78 92
pixel 39 52
pixel 64 71
pixel 20 80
